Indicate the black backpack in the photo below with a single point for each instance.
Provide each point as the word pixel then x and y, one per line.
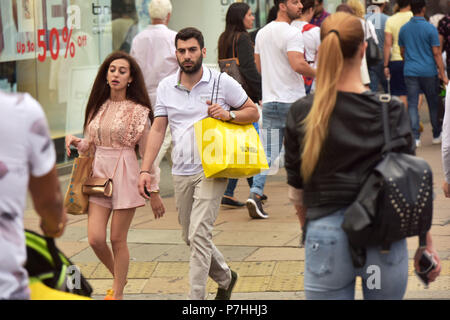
pixel 395 202
pixel 49 265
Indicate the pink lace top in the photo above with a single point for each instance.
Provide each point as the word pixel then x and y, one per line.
pixel 119 124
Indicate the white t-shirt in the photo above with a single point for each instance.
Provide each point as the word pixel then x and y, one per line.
pixel 25 148
pixel 184 108
pixel 280 83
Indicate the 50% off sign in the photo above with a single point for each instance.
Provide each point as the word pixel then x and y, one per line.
pixel 55 45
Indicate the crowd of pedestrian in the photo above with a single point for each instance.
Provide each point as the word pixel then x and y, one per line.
pixel 306 73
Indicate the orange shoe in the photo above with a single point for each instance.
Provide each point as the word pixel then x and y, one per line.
pixel 109 295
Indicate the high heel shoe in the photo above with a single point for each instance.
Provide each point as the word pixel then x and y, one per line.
pixel 109 295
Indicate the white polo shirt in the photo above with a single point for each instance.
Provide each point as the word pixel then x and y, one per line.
pixel 184 108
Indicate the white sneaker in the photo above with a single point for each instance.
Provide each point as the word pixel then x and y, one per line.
pixel 437 140
pixel 418 143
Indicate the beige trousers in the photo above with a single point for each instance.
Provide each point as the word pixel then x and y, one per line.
pixel 198 201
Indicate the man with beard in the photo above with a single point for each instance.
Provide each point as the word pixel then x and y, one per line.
pixel 183 99
pixel 279 57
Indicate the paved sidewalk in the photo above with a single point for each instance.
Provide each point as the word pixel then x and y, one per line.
pixel 265 253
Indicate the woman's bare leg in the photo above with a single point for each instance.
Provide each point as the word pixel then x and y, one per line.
pixel 98 217
pixel 120 225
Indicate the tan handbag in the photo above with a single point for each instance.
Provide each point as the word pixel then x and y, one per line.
pixel 76 201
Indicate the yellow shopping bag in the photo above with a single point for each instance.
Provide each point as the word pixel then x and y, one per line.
pixel 229 150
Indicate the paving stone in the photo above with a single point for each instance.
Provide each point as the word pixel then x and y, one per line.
pixel 167 285
pixel 71 248
pixel 285 283
pixel 252 284
pixel 289 268
pixel 87 269
pixel 101 286
pixel 171 269
pixel 150 252
pixel 264 239
pixel 253 268
pixel 264 254
pixel 155 236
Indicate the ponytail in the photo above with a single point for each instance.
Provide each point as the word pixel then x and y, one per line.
pixel 316 123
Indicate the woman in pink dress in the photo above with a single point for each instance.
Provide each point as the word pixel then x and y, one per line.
pixel 118 118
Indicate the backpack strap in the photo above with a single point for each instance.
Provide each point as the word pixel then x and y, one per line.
pixel 389 144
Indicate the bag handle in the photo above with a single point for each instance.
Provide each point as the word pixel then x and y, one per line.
pixel 235 40
pixel 389 144
pixel 216 89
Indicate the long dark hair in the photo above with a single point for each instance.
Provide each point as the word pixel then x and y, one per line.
pixel 234 25
pixel 136 92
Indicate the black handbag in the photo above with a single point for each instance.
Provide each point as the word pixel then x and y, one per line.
pixel 395 202
pixel 374 55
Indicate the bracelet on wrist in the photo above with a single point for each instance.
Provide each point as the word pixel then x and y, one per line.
pixel 144 171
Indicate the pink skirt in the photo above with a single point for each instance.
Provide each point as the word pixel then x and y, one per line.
pixel 125 180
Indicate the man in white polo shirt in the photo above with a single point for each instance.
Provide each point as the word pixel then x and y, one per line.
pixel 182 100
pixel 280 60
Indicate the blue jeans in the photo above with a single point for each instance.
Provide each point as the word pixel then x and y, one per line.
pixel 430 87
pixel 329 271
pixel 377 77
pixel 232 183
pixel 274 121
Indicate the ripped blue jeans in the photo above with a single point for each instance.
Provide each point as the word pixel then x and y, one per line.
pixel 329 271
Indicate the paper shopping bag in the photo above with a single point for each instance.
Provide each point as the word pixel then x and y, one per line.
pixel 75 201
pixel 229 150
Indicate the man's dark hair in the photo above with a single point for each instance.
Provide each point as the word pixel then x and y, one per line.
pixel 277 3
pixel 403 3
pixel 272 14
pixel 188 33
pixel 417 6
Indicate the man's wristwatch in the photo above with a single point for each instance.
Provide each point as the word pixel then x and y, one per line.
pixel 232 116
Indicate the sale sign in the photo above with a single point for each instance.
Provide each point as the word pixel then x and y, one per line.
pixel 39 28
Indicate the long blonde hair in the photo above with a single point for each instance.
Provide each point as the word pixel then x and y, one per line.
pixel 341 35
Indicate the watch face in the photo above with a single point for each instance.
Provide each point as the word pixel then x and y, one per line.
pixel 232 115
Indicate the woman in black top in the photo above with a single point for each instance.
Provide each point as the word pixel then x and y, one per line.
pixel 333 140
pixel 238 20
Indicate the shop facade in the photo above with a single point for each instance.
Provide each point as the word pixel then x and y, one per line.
pixel 52 48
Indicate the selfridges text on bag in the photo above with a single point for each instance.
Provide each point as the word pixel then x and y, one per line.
pixel 396 200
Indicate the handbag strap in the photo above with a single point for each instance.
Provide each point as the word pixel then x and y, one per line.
pixel 235 40
pixel 216 89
